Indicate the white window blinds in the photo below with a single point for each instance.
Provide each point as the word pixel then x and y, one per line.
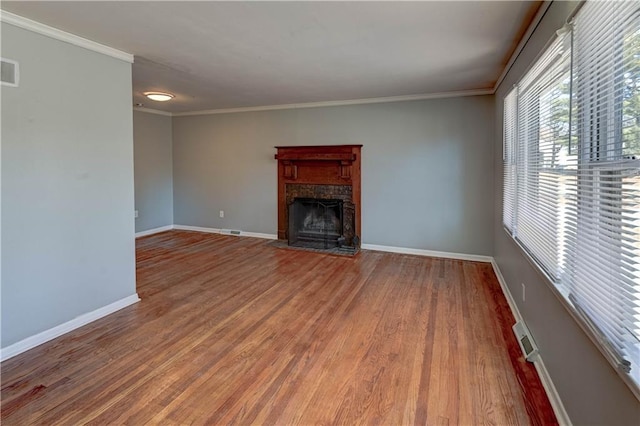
pixel 543 156
pixel 604 274
pixel 574 203
pixel 509 157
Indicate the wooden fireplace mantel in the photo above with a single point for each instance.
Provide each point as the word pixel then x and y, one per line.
pixel 318 165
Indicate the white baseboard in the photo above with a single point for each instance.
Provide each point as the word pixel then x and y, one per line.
pixel 196 228
pixel 237 233
pixel 552 393
pixel 50 334
pixel 543 373
pixel 154 231
pixel 505 290
pixel 259 235
pixel 207 230
pixel 430 253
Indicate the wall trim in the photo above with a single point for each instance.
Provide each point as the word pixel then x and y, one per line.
pixel 403 98
pixel 196 229
pixel 390 249
pixel 50 334
pixel 430 253
pixel 556 403
pixel 152 111
pixel 46 30
pixel 523 42
pixel 259 235
pixel 154 231
pixel 40 28
pixel 543 373
pixel 225 232
pixel 507 293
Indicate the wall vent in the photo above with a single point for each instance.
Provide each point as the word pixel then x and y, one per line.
pixel 527 345
pixel 230 232
pixel 9 72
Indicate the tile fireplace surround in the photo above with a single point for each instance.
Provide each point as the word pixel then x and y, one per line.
pixel 326 172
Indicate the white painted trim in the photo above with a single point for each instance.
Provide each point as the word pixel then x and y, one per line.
pixel 401 250
pixel 152 111
pixel 154 231
pixel 232 232
pixel 259 235
pixel 430 253
pixel 226 232
pixel 403 98
pixel 196 228
pixel 50 334
pixel 543 373
pixel 556 403
pixel 37 27
pixel 507 294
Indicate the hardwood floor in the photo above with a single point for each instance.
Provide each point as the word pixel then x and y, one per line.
pixel 231 330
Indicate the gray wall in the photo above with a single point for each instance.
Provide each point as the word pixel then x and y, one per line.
pixel 67 184
pixel 590 389
pixel 426 169
pixel 153 170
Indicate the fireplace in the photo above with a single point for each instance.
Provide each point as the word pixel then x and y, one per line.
pixel 316 223
pixel 319 196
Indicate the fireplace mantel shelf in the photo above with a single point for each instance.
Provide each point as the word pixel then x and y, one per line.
pixel 317 153
pixel 294 156
pixel 318 147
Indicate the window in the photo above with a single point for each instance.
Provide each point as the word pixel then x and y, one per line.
pixel 538 163
pixel 572 173
pixel 509 158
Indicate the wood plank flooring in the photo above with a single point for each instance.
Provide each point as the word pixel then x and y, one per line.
pixel 231 330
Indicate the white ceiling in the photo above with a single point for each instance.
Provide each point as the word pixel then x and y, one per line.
pixel 218 55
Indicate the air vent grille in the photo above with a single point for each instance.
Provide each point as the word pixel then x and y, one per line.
pixel 9 72
pixel 527 345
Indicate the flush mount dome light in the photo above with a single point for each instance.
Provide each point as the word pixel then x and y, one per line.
pixel 159 96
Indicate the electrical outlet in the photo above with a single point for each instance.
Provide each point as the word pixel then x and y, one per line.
pixel 523 292
pixel 135 214
pixel 221 213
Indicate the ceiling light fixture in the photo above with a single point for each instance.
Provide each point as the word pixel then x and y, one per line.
pixel 159 96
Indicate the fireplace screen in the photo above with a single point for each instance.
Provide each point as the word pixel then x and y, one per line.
pixel 316 223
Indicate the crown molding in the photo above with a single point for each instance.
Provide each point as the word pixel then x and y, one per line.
pixel 37 27
pixel 153 111
pixel 523 42
pixel 40 28
pixel 403 98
